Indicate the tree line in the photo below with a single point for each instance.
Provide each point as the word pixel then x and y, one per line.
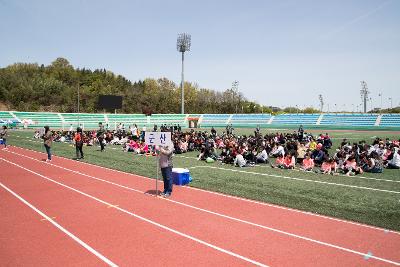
pixel 54 88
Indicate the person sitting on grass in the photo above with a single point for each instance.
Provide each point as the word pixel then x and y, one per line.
pixel 318 154
pixel 387 156
pixel 394 163
pixel 301 152
pixel 312 145
pixel 239 161
pixel 351 168
pixel 374 163
pixel 327 142
pixel 277 150
pixel 289 161
pixel 327 166
pixel 131 146
pixel 278 162
pixel 308 163
pixel 262 156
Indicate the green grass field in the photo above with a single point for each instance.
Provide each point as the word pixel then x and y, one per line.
pixel 371 198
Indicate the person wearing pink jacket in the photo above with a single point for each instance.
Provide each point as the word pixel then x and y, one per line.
pixel 308 163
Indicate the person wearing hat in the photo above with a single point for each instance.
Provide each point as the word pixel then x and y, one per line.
pixel 165 160
pixel 47 140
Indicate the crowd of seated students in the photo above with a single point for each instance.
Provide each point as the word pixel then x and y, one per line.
pixel 293 149
pixel 290 150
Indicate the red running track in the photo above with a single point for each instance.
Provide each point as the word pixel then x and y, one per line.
pixel 193 227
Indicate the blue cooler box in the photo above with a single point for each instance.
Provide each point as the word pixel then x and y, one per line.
pixel 180 176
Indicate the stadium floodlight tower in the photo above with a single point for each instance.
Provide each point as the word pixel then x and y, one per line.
pixel 321 102
pixel 183 45
pixel 235 92
pixel 364 94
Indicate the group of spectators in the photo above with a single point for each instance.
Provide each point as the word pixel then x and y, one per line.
pixel 291 150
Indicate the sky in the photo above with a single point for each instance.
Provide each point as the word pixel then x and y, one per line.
pixel 282 53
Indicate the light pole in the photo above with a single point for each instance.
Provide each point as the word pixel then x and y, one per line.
pixel 380 95
pixel 372 104
pixel 364 94
pixel 183 44
pixel 391 102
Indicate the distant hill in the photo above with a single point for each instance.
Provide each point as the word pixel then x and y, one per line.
pixel 33 87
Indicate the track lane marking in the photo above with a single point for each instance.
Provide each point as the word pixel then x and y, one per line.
pixel 65 231
pixel 223 195
pixel 225 216
pixel 142 218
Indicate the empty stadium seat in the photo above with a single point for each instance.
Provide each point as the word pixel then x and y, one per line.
pixel 306 119
pixel 390 120
pixel 250 120
pixel 349 119
pixel 40 119
pixel 214 120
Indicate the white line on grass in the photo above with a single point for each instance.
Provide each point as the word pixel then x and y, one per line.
pixel 298 179
pixel 150 221
pixel 65 231
pixel 223 195
pixel 212 212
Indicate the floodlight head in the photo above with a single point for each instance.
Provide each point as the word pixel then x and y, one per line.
pixel 183 42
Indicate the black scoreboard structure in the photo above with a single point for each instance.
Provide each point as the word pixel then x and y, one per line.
pixel 113 102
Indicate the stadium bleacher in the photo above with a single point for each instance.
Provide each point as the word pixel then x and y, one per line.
pixel 90 121
pixel 40 119
pixel 250 120
pixel 6 115
pixel 127 120
pixel 390 120
pixel 305 119
pixel 168 119
pixel 349 119
pixel 214 120
pixel 87 120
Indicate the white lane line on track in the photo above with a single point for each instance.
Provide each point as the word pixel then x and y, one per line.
pixel 144 219
pixel 227 196
pixel 65 231
pixel 299 179
pixel 216 213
